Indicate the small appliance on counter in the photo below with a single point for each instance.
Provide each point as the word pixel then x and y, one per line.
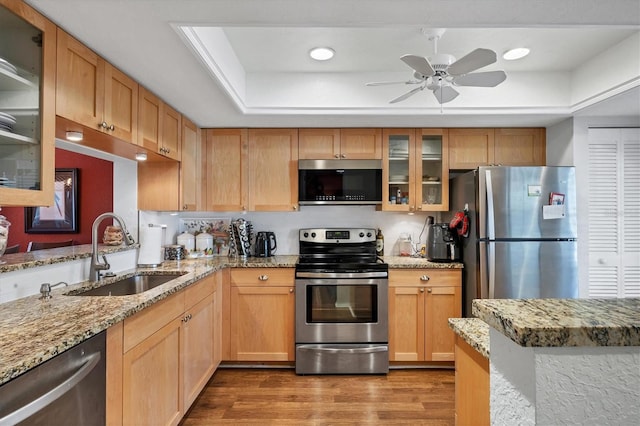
pixel 265 245
pixel 240 238
pixel 442 243
pixel 151 241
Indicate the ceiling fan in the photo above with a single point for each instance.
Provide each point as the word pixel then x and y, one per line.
pixel 441 72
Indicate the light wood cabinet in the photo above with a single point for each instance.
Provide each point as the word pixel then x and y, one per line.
pixel 171 133
pixel 472 385
pixel 272 161
pixel 262 314
pixel 159 185
pixel 92 92
pixel 28 95
pixel 159 126
pixel 420 303
pixel 191 167
pixel 415 174
pixel 226 170
pixel 470 148
pixel 340 143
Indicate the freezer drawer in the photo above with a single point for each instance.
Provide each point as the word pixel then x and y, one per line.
pixel 528 269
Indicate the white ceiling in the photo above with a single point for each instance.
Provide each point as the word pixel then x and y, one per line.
pixel 255 72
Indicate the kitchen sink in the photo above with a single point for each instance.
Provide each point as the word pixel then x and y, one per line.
pixel 128 286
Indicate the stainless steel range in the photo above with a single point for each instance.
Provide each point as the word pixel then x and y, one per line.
pixel 341 303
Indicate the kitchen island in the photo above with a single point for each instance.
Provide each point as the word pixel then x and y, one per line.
pixel 563 361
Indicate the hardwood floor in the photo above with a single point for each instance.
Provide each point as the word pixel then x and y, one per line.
pixel 279 396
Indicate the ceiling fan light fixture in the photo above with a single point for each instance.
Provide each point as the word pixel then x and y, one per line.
pixel 322 53
pixel 517 53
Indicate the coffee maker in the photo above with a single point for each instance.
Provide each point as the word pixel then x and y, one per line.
pixel 442 243
pixel 265 245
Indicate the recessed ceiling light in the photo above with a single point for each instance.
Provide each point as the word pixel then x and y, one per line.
pixel 74 136
pixel 141 156
pixel 517 53
pixel 322 53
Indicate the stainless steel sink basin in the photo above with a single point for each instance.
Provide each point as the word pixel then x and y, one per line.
pixel 131 285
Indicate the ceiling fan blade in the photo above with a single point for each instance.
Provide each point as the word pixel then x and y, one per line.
pixel 477 59
pixel 406 95
pixel 418 63
pixel 385 83
pixel 445 94
pixel 481 79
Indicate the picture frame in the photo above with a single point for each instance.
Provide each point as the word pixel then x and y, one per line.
pixel 62 216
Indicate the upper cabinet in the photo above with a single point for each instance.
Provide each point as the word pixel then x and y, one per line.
pixel 92 92
pixel 27 106
pixel 159 125
pixel 470 148
pixel 415 170
pixel 340 144
pixel 226 170
pixel 191 167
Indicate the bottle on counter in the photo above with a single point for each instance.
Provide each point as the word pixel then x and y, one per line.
pixel 379 243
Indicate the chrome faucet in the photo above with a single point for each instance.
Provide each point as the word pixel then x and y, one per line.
pixel 96 265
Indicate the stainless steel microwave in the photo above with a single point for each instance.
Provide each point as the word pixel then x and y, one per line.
pixel 339 182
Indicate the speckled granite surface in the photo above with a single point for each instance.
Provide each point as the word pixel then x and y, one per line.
pixel 404 262
pixel 563 322
pixel 474 331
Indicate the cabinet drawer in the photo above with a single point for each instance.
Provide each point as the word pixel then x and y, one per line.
pixel 436 277
pixel 143 324
pixel 198 291
pixel 262 277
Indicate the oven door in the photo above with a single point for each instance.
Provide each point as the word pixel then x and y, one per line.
pixel 342 310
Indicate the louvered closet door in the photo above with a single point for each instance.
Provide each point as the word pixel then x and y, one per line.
pixel 614 213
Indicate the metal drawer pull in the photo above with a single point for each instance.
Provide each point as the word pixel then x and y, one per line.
pixel 424 278
pixel 46 399
pixel 263 277
pixel 369 350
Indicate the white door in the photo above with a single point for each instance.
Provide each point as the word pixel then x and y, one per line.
pixel 614 212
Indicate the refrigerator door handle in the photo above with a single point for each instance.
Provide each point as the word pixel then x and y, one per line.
pixel 491 268
pixel 491 229
pixel 482 290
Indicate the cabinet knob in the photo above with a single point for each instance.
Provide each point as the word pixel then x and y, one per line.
pixel 263 277
pixel 337 155
pixel 429 290
pixel 424 278
pixel 295 207
pixel 420 207
pixel 422 290
pixel 343 156
pixel 112 127
pixel 104 125
pixel 290 290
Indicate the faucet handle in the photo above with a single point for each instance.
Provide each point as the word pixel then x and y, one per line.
pixel 106 263
pixel 128 238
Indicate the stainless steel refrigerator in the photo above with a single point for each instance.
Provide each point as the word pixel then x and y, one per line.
pixel 522 238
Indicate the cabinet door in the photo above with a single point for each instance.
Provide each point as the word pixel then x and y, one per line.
pixel 361 144
pixel 262 324
pixel 159 185
pixel 273 169
pixel 520 147
pixel 432 170
pixel 442 303
pixel 197 346
pixel 120 104
pixel 171 132
pixel 226 154
pixel 398 171
pixel 151 378
pixel 319 144
pixel 472 386
pixel 80 82
pixel 470 148
pixel 406 323
pixel 149 120
pixel 218 318
pixel 191 165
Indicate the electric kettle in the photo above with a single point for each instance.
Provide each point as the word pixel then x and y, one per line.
pixel 265 245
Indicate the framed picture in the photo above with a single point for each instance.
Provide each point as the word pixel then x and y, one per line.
pixel 62 216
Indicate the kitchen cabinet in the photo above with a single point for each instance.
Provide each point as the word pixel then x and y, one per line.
pixel 420 303
pixel 27 95
pixel 272 160
pixel 92 92
pixel 471 148
pixel 340 144
pixel 226 170
pixel 415 173
pixel 159 125
pixel 472 385
pixel 159 185
pixel 262 314
pixel 191 167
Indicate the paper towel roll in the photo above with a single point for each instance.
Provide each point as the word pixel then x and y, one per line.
pixel 151 241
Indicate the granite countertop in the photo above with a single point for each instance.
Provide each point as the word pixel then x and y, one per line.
pixel 563 322
pixel 474 331
pixel 406 262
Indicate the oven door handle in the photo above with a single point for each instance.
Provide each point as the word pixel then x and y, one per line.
pixel 367 350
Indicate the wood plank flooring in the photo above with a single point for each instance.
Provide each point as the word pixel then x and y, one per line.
pixel 279 396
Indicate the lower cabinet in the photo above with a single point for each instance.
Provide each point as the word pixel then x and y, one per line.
pixel 472 386
pixel 420 303
pixel 261 308
pixel 169 352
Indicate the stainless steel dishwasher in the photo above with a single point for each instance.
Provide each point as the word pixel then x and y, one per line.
pixel 68 389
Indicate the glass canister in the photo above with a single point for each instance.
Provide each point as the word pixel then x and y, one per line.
pixel 4 234
pixel 404 245
pixel 204 243
pixel 188 241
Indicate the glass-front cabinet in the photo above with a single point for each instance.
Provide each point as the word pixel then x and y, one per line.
pixel 415 170
pixel 27 102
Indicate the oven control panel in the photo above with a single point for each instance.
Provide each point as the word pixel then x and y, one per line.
pixel 338 235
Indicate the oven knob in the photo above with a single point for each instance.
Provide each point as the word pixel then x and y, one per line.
pixel 306 235
pixel 362 235
pixel 313 235
pixel 369 235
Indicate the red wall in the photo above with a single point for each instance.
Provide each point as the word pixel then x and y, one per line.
pixel 95 196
